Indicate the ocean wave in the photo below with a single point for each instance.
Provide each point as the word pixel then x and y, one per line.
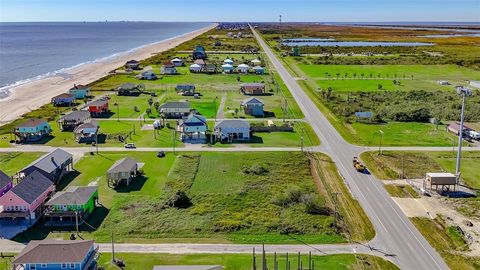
pixel 5 91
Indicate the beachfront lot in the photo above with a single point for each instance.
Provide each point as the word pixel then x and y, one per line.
pixel 242 197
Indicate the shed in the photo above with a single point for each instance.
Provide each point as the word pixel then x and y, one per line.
pixel 441 179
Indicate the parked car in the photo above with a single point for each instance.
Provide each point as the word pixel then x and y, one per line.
pixel 474 135
pixel 161 154
pixel 130 145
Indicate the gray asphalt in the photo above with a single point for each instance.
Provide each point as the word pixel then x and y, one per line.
pixel 395 234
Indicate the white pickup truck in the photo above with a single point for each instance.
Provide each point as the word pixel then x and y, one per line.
pixel 474 134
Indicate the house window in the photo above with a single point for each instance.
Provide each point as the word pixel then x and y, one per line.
pixel 72 265
pixel 33 267
pixel 44 265
pixel 64 266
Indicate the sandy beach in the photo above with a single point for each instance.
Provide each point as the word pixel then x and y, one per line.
pixel 30 96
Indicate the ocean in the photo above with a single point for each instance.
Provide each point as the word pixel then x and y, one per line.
pixel 34 50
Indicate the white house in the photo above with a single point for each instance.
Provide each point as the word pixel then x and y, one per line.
pixel 232 130
pixel 195 68
pixel 167 69
pixel 243 68
pixel 227 68
pixel 177 62
pixel 256 62
pixel 228 61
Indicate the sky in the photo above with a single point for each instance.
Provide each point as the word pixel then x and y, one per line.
pixel 241 10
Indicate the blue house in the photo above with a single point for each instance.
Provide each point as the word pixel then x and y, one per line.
pixel 80 91
pixel 32 130
pixel 199 53
pixel 193 129
pixel 57 255
pixel 258 70
pixel 253 106
pixel 65 99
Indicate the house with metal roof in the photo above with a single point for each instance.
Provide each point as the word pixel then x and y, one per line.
pixel 177 62
pixel 253 106
pixel 123 170
pixel 258 70
pixel 53 165
pixel 132 64
pixel 27 198
pixel 211 69
pixel 148 75
pixel 64 99
pixel 71 120
pixel 86 132
pixel 243 68
pixel 193 129
pixel 185 89
pixel 256 62
pixel 6 183
pixel 32 130
pixel 129 89
pixel 195 68
pixel 72 206
pixel 252 88
pixel 57 255
pixel 168 69
pixel 228 61
pixel 80 91
pixel 98 107
pixel 175 109
pixel 230 130
pixel 227 68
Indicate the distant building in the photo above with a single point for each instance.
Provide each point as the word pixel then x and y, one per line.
pixel 253 88
pixel 98 108
pixel 129 89
pixel 243 68
pixel 72 205
pixel 32 130
pixel 53 165
pixel 253 106
pixel 175 109
pixel 6 183
pixel 168 69
pixel 71 120
pixel 64 99
pixel 177 62
pixel 228 61
pixel 475 84
pixel 147 75
pixel 193 128
pixel 232 130
pixel 211 69
pixel 185 89
pixel 195 68
pixel 80 91
pixel 123 170
pixel 199 53
pixel 27 198
pixel 441 179
pixel 227 68
pixel 86 132
pixel 200 62
pixel 258 70
pixel 57 255
pixel 256 62
pixel 133 64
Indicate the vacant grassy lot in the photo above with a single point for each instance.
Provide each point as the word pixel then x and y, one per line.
pixel 448 242
pixel 252 198
pixel 417 164
pixel 401 191
pixel 350 78
pixel 139 261
pixel 11 163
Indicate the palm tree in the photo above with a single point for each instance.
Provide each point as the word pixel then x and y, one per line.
pixel 354 76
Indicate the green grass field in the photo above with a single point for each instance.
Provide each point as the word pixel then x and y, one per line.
pixel 411 77
pixel 401 191
pixel 252 198
pixel 11 163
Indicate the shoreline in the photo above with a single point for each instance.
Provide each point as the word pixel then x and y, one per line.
pixel 25 97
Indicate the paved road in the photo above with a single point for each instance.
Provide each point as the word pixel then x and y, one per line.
pixel 395 234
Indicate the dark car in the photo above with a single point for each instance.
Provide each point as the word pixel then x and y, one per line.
pixel 161 154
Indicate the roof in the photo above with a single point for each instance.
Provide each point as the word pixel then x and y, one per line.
pixel 228 60
pixel 195 66
pixel 227 66
pixel 76 115
pixel 54 251
pixel 80 128
pixel 175 104
pixel 168 65
pixel 256 61
pixel 64 95
pixel 258 67
pixel 253 85
pixel 187 267
pixel 32 186
pixel 243 66
pixel 49 162
pixel 252 100
pixel 128 86
pixel 32 123
pixel 98 102
pixel 133 62
pixel 78 87
pixel 237 123
pixel 456 125
pixel 123 165
pixel 442 174
pixel 4 179
pixel 177 60
pixel 199 62
pixel 73 196
pixel 211 66
pixel 193 116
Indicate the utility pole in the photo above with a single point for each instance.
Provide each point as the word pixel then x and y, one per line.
pixel 215 104
pixel 335 215
pixel 174 136
pixel 113 249
pixel 96 140
pixel 403 168
pixel 264 258
pixel 254 266
pixel 287 263
pixel 299 262
pixel 380 147
pixel 464 92
pixel 118 111
pixel 275 263
pixel 309 260
pixel 301 138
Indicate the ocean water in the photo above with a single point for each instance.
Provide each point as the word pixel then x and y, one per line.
pixel 30 51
